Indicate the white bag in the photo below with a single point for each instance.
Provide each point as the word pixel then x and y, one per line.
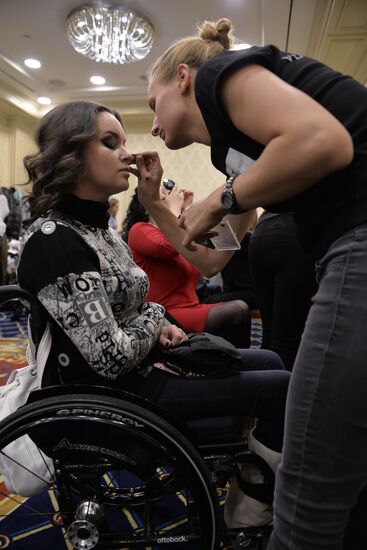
pixel 26 470
pixel 241 510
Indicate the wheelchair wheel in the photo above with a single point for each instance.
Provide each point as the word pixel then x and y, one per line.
pixel 123 478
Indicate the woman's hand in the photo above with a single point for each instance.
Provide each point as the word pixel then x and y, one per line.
pixel 171 336
pixel 188 198
pixel 197 221
pixel 149 173
pixel 175 200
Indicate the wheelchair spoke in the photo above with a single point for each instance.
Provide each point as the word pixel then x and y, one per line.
pixel 31 472
pixel 116 481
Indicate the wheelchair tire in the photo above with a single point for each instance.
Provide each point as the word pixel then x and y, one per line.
pixel 100 446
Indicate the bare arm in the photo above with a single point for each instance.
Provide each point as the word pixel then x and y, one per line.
pixel 207 261
pixel 303 143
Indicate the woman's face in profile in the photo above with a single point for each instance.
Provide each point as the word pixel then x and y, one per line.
pixel 170 112
pixel 106 161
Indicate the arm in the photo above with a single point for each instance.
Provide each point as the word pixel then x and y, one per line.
pixel 148 241
pixel 207 261
pixel 71 289
pixel 111 350
pixel 303 143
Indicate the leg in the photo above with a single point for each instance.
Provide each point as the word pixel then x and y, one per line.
pixel 244 294
pixel 284 279
pixel 294 286
pixel 324 466
pixel 232 321
pixel 259 394
pixel 260 359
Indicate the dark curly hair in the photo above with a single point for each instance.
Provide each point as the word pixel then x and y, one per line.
pixel 61 138
pixel 135 213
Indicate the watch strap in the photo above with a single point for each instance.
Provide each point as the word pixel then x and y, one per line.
pixel 228 188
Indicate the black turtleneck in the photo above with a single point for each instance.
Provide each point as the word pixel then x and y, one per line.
pixel 91 213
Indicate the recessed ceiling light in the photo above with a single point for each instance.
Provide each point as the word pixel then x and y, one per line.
pixel 242 46
pixel 44 100
pixel 32 63
pixel 98 80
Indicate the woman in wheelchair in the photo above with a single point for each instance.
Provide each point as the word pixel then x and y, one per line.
pixel 93 293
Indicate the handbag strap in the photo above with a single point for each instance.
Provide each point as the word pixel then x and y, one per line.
pixel 37 358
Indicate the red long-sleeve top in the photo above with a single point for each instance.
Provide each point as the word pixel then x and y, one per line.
pixel 172 278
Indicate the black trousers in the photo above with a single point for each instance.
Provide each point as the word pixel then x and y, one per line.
pixel 284 280
pixel 257 393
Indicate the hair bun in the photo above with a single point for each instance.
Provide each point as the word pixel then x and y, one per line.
pixel 218 31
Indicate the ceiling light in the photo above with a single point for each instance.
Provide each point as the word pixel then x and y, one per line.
pixel 32 63
pixel 44 100
pixel 113 34
pixel 98 80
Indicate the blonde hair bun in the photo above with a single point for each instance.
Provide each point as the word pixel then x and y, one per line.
pixel 212 38
pixel 218 31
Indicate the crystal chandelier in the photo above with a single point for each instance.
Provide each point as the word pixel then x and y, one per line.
pixel 110 34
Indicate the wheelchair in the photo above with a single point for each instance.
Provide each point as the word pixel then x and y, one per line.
pixel 127 474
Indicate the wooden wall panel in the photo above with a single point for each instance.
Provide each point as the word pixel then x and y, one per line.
pixel 339 36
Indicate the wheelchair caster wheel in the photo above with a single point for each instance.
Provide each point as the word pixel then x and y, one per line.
pixel 83 535
pixel 242 542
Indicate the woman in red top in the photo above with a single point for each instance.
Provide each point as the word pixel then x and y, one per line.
pixel 173 279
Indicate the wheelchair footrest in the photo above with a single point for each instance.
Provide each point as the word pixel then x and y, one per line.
pixel 249 538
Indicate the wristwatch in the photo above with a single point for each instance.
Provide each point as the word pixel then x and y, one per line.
pixel 228 198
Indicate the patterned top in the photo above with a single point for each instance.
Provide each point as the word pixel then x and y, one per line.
pixel 84 276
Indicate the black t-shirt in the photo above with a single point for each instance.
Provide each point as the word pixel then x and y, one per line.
pixel 337 202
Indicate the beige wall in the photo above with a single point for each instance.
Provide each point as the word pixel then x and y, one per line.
pixel 5 154
pixel 22 144
pixel 16 141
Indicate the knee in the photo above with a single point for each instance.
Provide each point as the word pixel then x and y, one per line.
pixel 241 310
pixel 280 382
pixel 272 361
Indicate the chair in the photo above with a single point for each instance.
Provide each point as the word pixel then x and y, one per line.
pixel 113 451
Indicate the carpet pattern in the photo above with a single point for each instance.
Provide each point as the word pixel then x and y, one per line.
pixel 20 527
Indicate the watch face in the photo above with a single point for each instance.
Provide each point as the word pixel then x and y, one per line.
pixel 227 201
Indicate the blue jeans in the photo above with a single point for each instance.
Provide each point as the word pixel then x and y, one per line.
pixel 320 496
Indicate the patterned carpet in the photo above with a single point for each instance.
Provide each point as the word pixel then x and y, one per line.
pixel 13 343
pixel 20 527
